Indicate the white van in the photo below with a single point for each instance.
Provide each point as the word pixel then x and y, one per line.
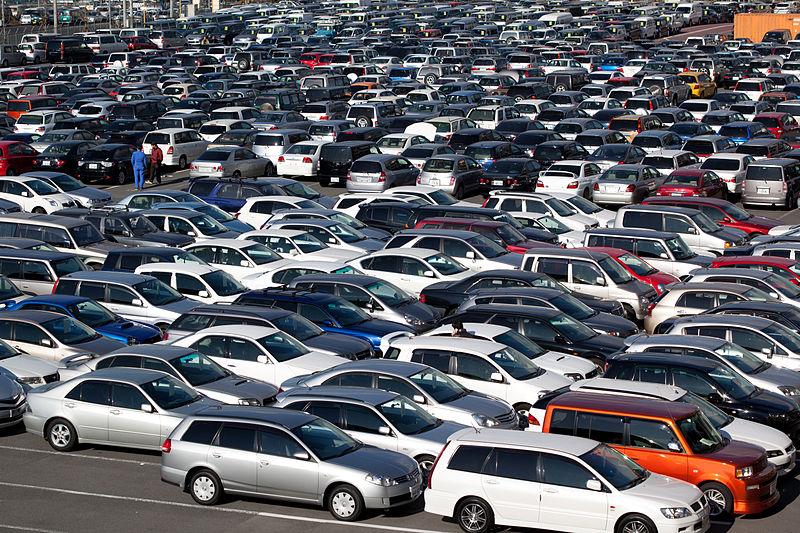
pixel 180 146
pixel 556 19
pixel 32 38
pixel 102 43
pixel 691 13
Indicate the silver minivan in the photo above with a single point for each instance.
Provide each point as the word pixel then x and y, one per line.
pixel 274 143
pixel 37 271
pixel 772 182
pixel 287 455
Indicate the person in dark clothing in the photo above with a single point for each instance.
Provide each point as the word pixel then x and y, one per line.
pixel 460 331
pixel 156 157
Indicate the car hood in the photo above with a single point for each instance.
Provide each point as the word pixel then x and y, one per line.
pixel 24 365
pixel 326 201
pixel 606 343
pixel 91 193
pixel 377 461
pixel 380 327
pixel 100 346
pixel 370 245
pixel 476 402
pixel 738 453
pixel 510 259
pixel 700 260
pixel 376 234
pixel 104 247
pixel 332 254
pixel 668 491
pixel 762 221
pixel 128 328
pixel 422 311
pixel 237 226
pixel 337 343
pixel 755 433
pixel 314 362
pixel 541 235
pixel 440 433
pixel 609 322
pixel 662 278
pixel 162 237
pixel 240 387
pixel 181 306
pixel 777 376
pixel 194 407
pixel 568 364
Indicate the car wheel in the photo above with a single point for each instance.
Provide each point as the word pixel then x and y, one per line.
pixel 236 175
pixel 587 193
pixel 560 88
pixel 345 503
pixel 475 516
pixel 720 499
pixel 269 170
pixel 38 210
pixel 636 523
pixel 243 65
pixel 205 487
pixel 121 178
pixel 182 163
pixel 430 79
pixel 522 409
pixel 5 63
pixel 425 463
pixel 459 192
pixel 362 122
pixel 10 172
pixel 61 435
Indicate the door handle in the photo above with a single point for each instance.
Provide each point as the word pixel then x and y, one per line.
pixel 264 463
pixel 551 491
pixel 114 411
pixel 69 405
pixel 492 482
pixel 216 455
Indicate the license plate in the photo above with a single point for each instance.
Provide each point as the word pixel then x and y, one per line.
pixel 676 194
pixel 364 180
pixel 773 487
pixel 334 180
pixel 94 165
pixel 497 182
pixel 433 183
pixel 46 163
pixel 762 190
pixel 414 491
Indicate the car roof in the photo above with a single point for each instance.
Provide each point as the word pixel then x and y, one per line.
pixel 623 386
pixel 687 361
pixel 735 272
pixel 136 376
pixel 361 394
pixel 700 341
pixel 561 443
pixel 160 351
pixel 31 315
pixel 287 418
pixel 126 278
pixel 624 404
pixel 517 310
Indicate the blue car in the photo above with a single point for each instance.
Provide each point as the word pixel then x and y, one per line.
pixel 93 315
pixel 229 195
pixel 211 210
pixel 742 131
pixel 331 313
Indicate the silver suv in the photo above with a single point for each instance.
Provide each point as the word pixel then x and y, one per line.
pixel 286 455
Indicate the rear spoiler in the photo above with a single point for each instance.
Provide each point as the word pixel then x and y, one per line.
pixel 77 359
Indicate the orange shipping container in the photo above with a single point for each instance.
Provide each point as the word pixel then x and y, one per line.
pixel 755 25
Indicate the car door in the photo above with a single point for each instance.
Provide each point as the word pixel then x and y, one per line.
pixel 510 482
pixel 586 277
pixel 128 423
pixel 566 504
pixel 682 225
pixel 32 339
pixel 412 276
pixel 233 456
pixel 285 468
pixel 366 425
pixel 654 445
pixel 86 406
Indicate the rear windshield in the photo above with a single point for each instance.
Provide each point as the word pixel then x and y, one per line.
pixel 753 149
pixel 759 173
pixel 366 167
pixel 157 138
pixel 269 140
pixel 18 105
pixel 720 164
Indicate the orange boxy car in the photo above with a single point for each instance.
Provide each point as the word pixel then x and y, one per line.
pixel 673 439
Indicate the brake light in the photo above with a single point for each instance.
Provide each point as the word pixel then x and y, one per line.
pixel 164 335
pixel 382 177
pixel 433 467
pixel 167 446
pixel 572 185
pixel 422 298
pixel 281 159
pixel 219 168
pixel 307 160
pixel 349 177
pixel 60 162
pixel 170 150
pixel 40 129
pixel 533 421
pixel 540 184
pixel 596 187
pixel 483 181
pixel 323 117
pixel 629 188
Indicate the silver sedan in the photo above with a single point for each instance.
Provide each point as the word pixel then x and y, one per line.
pixel 229 161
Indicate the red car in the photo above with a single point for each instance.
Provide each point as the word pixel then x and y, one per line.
pixel 778 124
pixel 139 43
pixel 693 182
pixel 311 59
pixel 16 158
pixel 722 212
pixel 784 267
pixel 638 268
pixel 501 233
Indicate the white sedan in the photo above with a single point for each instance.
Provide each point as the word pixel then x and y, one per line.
pixel 301 159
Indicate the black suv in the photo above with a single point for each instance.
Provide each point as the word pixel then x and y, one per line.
pixel 335 160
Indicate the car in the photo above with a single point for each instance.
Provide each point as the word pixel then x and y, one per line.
pixel 459 175
pixel 224 218
pixel 147 199
pixel 93 315
pixel 233 161
pixel 299 244
pixel 586 469
pixel 25 369
pixel 626 184
pixel 511 174
pixel 204 283
pixel 693 182
pixel 354 474
pixel 33 195
pixel 84 196
pixel 194 224
pixel 379 172
pixel 723 212
pixel 154 403
pixel 13 395
pixel 107 162
pixel 782 266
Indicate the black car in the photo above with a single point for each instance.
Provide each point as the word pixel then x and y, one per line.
pixel 362 134
pixel 549 328
pixel 467 136
pixel 302 329
pixel 785 314
pixel 107 162
pixel 551 152
pixel 146 110
pixel 132 137
pixel 335 160
pixel 515 126
pixel 67 50
pixel 127 227
pixel 62 156
pixel 557 299
pixel 713 381
pixel 387 216
pixel 448 295
pixel 126 124
pixel 529 140
pixel 510 174
pixel 91 124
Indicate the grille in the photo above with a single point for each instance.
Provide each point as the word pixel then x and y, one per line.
pixel 51 378
pixel 507 418
pixel 760 465
pixel 395 500
pixel 411 476
pixel 68 204
pixel 699 504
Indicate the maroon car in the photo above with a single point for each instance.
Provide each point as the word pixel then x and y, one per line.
pixel 720 211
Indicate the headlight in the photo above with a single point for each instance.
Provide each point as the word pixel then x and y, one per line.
pixel 249 401
pixel 31 381
pixel 745 471
pixel 574 376
pixel 414 321
pixel 53 203
pixel 484 421
pixel 108 164
pixel 774 453
pixel 676 512
pixel 660 287
pixel 789 390
pixel 382 481
pixel 728 244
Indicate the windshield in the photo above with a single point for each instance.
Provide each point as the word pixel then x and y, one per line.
pixel 615 271
pixel 445 265
pixel 223 283
pixel 575 308
pixel 584 205
pixel 552 225
pixel 714 414
pixel 207 225
pixel 683 179
pixel 784 336
pixel 571 328
pixel 438 385
pixel 389 294
pixel 198 369
pixel 783 285
pixel 704 223
pixel 407 417
pixel 627 176
pixel 325 440
pixel 169 393
pixel 260 254
pixel 741 358
pixel 63 181
pixel 282 346
pixel 214 212
pixel 40 187
pixel 141 225
pixel 91 313
pixel 8 289
pixel 510 235
pixel 486 247
pixel 69 331
pixel 438 165
pixel 679 248
pixel 700 434
pixel 638 266
pixel 733 384
pixel 346 314
pixel 442 198
pixel 86 234
pixel 517 365
pixel 520 343
pixel 615 467
pixel 298 327
pixel 157 293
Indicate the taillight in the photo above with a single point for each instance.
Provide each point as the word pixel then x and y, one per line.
pixel 167 446
pixel 40 129
pixel 533 421
pixel 164 336
pixel 382 177
pixel 433 467
pixel 307 160
pixel 650 308
pixel 452 180
pixel 236 215
pixel 170 150
pixel 60 162
pixel 596 187
pixel 324 117
pixel 572 185
pixel 629 188
pixel 281 159
pixel 540 184
pixel 485 181
pixel 349 177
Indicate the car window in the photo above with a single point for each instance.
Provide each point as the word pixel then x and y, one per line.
pixel 92 391
pixel 653 434
pixel 243 350
pixel 29 333
pixel 469 459
pixel 692 382
pixel 473 367
pixel 127 397
pixel 237 437
pixel 564 472
pixel 604 428
pixel 362 419
pixel 513 464
pixel 278 443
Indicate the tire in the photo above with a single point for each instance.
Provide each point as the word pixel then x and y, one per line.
pixel 345 503
pixel 459 192
pixel 38 210
pixel 205 487
pixel 61 435
pixel 630 314
pixel 587 193
pixel 182 163
pixel 560 88
pixel 430 79
pixel 236 175
pixel 10 172
pixel 597 361
pixel 475 516
pixel 363 122
pixel 720 499
pixel 5 63
pixel 243 65
pixel 635 523
pixel 425 463
pixel 269 170
pixel 121 178
pixel 522 409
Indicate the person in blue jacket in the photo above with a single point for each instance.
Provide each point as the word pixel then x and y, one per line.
pixel 139 162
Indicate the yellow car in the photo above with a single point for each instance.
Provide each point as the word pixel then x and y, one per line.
pixel 701 83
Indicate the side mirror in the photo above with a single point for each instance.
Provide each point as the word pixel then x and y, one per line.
pixel 293 252
pixel 384 430
pixel 691 230
pixel 203 294
pixel 470 255
pixel 26 194
pixel 137 302
pixel 769 352
pixel 301 456
pixel 244 263
pixel 147 408
pixel 263 359
pixel 774 295
pixel 428 274
pixel 370 305
pixel 496 377
pixel 559 339
pixel 191 233
pixel 418 398
pixel 663 256
pixel 331 240
pixel 594 485
pixel 47 342
pixel 600 280
pixel 328 323
pixel 715 397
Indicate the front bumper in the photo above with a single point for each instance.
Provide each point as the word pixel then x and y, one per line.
pixel 12 417
pixel 376 497
pixel 762 495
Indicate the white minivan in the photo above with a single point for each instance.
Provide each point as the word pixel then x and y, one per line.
pixel 180 146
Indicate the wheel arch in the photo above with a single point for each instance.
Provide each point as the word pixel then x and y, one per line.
pixel 195 469
pixel 463 499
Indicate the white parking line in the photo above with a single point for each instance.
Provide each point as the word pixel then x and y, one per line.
pixel 22 528
pixel 330 522
pixel 79 455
